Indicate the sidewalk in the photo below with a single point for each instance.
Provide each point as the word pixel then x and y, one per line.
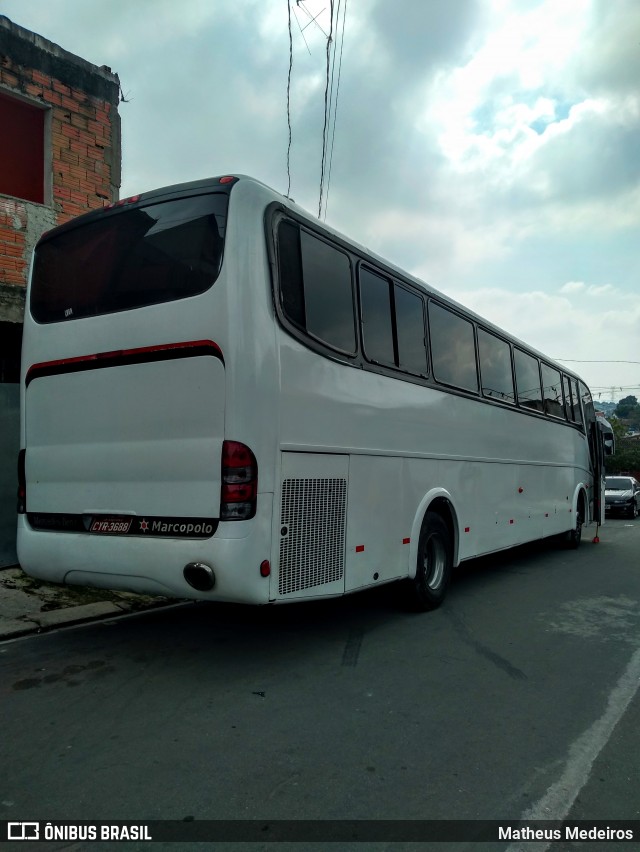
pixel 28 605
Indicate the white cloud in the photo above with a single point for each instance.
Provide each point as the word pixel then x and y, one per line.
pixel 573 287
pixel 599 290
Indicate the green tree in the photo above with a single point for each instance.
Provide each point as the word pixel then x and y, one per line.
pixel 626 406
pixel 619 429
pixel 627 455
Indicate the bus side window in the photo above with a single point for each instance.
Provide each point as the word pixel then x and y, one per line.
pixel 412 349
pixel 552 391
pixel 375 306
pixel 290 273
pixel 316 290
pixel 576 413
pixel 453 352
pixel 587 404
pixel 528 380
pixel 566 388
pixel 495 367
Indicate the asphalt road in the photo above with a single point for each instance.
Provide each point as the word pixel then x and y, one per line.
pixel 516 699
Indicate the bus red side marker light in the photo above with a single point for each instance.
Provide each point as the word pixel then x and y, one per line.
pixel 359 548
pixel 265 568
pixel 406 540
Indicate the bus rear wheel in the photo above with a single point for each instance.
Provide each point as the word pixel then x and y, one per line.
pixel 427 589
pixel 574 536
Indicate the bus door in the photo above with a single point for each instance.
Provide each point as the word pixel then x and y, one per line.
pixel 601 443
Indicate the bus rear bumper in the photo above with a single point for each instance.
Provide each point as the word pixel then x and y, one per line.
pixel 153 566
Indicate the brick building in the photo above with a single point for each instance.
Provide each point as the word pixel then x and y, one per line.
pixel 59 157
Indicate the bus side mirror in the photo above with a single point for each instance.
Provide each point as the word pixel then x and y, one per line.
pixel 609 445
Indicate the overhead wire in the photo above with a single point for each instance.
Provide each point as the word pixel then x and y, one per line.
pixel 289 99
pixel 313 19
pixel 599 361
pixel 326 112
pixel 302 29
pixel 340 36
pixel 331 89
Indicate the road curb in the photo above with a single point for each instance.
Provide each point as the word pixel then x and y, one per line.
pixel 41 622
pixel 27 609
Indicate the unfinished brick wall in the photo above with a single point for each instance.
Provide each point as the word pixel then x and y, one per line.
pixel 81 146
pixel 59 157
pixel 81 171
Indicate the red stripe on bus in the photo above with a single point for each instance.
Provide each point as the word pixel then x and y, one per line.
pixel 119 356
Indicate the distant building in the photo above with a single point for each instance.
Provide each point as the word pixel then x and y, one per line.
pixel 59 157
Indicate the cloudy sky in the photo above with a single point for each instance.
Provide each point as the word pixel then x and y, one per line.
pixel 491 147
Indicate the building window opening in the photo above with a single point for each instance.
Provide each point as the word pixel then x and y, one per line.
pixel 22 149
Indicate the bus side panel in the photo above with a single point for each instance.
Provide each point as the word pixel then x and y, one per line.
pixel 378 527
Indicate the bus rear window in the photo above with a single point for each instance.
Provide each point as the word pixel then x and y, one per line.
pixel 130 259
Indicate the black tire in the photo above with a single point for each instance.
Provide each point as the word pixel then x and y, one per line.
pixel 633 514
pixel 574 536
pixel 428 588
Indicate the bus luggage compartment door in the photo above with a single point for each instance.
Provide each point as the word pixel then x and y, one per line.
pixel 136 439
pixel 311 525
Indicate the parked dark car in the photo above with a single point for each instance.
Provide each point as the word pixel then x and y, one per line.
pixel 622 496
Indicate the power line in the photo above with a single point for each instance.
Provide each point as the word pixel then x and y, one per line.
pixel 289 99
pixel 335 108
pixel 326 113
pixel 614 387
pixel 312 19
pixel 302 29
pixel 577 361
pixel 332 86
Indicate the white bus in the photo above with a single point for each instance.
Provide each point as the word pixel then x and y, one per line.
pixel 224 399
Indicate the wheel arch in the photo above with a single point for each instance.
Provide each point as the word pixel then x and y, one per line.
pixel 580 495
pixel 437 500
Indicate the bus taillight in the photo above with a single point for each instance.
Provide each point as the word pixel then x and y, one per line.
pixel 239 482
pixel 22 482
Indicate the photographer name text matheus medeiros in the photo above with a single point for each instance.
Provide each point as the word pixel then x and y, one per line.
pixel 567 832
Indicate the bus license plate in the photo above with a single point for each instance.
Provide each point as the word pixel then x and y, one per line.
pixel 110 526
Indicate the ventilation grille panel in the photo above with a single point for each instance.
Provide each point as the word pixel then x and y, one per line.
pixel 312 545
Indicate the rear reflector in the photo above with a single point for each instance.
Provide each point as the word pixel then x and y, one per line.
pixel 239 482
